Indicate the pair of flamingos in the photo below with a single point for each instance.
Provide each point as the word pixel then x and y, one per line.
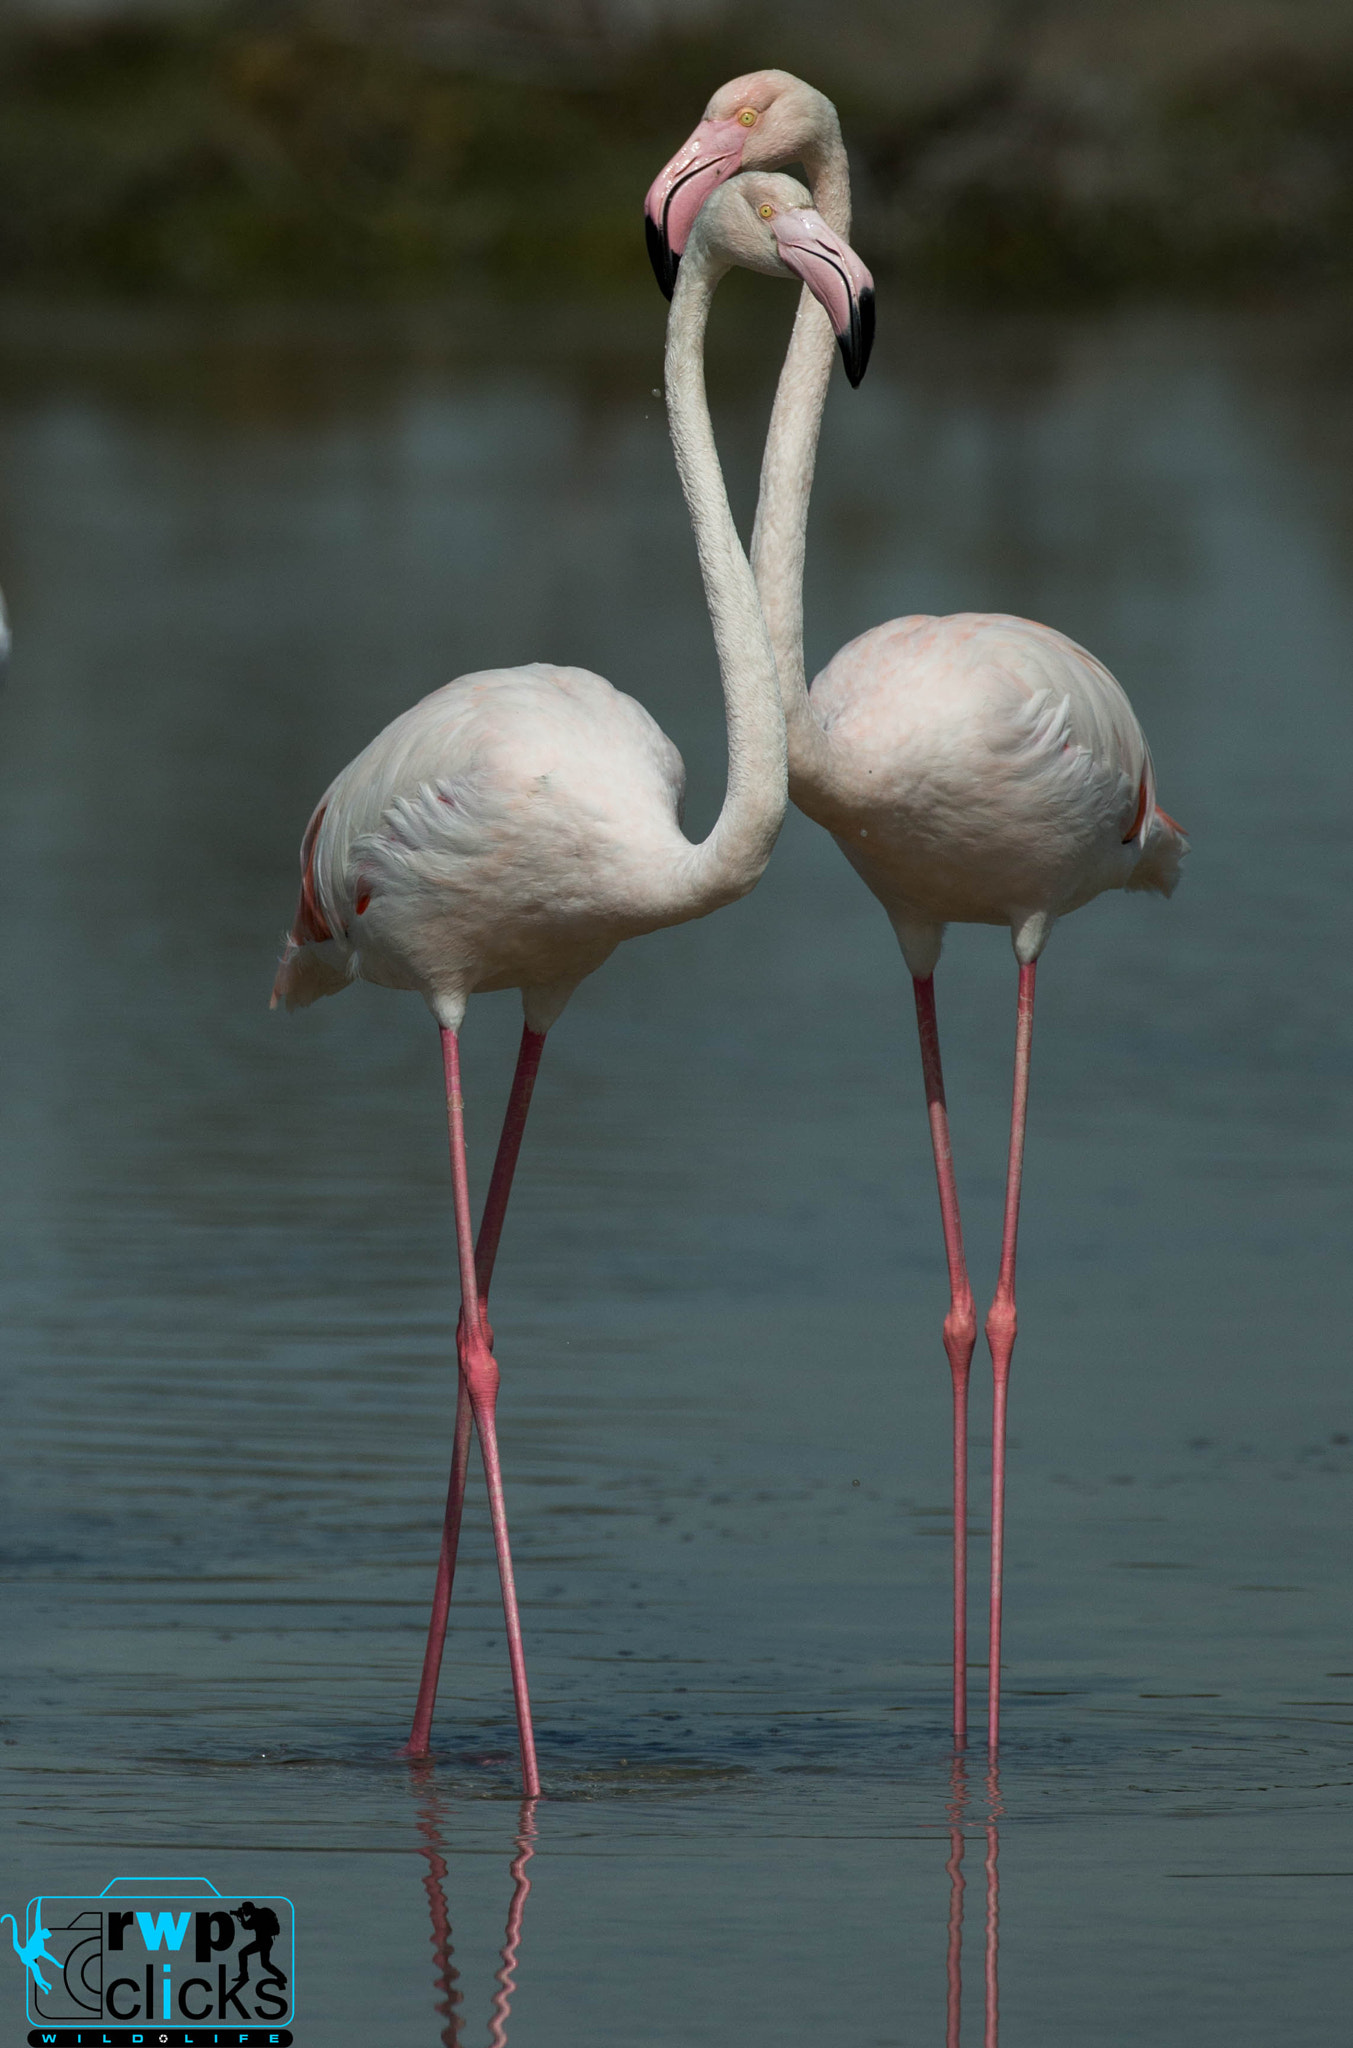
pixel 514 827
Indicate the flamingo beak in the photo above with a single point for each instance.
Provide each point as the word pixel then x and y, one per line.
pixel 836 277
pixel 710 155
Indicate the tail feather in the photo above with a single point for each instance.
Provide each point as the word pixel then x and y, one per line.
pixel 304 974
pixel 1164 848
pixel 308 969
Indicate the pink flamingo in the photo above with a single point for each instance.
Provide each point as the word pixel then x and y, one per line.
pixel 977 769
pixel 512 828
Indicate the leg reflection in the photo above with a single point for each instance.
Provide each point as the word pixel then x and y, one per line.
pixel 505 1976
pixel 953 2007
pixel 953 2029
pixel 993 2025
pixel 447 1977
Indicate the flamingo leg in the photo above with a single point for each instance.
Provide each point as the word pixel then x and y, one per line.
pixel 1001 1326
pixel 960 1330
pixel 486 1253
pixel 505 1162
pixel 479 1380
pixel 421 1734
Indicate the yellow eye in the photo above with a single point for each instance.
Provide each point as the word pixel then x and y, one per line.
pixel 766 212
pixel 748 117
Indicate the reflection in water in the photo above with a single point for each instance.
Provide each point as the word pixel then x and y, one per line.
pixel 521 1884
pixel 954 2007
pixel 447 1976
pixel 993 1908
pixel 228 561
pixel 953 2029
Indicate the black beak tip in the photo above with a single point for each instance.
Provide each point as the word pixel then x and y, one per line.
pixel 858 340
pixel 661 257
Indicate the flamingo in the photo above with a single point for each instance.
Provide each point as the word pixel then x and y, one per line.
pixel 976 769
pixel 513 827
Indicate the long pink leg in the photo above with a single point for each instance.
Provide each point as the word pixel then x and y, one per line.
pixel 505 1162
pixel 486 1253
pixel 421 1733
pixel 479 1371
pixel 1001 1325
pixel 960 1331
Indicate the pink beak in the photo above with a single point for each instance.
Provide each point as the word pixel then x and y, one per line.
pixel 711 154
pixel 835 276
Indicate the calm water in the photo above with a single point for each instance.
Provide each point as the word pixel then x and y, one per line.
pixel 230 556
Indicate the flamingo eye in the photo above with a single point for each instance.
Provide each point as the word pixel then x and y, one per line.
pixel 748 117
pixel 766 212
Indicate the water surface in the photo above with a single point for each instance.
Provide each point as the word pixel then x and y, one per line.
pixel 231 554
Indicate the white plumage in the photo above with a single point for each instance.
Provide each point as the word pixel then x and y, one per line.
pixel 512 828
pixel 506 832
pixel 982 769
pixel 977 769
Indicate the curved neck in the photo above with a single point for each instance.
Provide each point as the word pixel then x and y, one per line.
pixel 780 534
pixel 730 860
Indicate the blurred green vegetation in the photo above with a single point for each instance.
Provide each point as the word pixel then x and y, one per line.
pixel 249 156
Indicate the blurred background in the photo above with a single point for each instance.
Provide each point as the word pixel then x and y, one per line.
pixel 1028 149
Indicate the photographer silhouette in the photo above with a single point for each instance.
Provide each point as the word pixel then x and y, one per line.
pixel 264 1925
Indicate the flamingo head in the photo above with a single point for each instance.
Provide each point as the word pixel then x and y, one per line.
pixel 754 123
pixel 762 221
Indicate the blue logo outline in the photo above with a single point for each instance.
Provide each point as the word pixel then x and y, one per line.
pixel 144 1888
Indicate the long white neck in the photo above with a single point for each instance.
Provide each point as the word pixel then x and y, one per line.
pixel 727 863
pixel 780 533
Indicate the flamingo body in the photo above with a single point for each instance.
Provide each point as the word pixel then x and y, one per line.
pixel 981 769
pixel 506 832
pixel 977 769
pixel 513 827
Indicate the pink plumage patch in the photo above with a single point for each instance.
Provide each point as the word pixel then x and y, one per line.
pixel 1138 815
pixel 311 926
